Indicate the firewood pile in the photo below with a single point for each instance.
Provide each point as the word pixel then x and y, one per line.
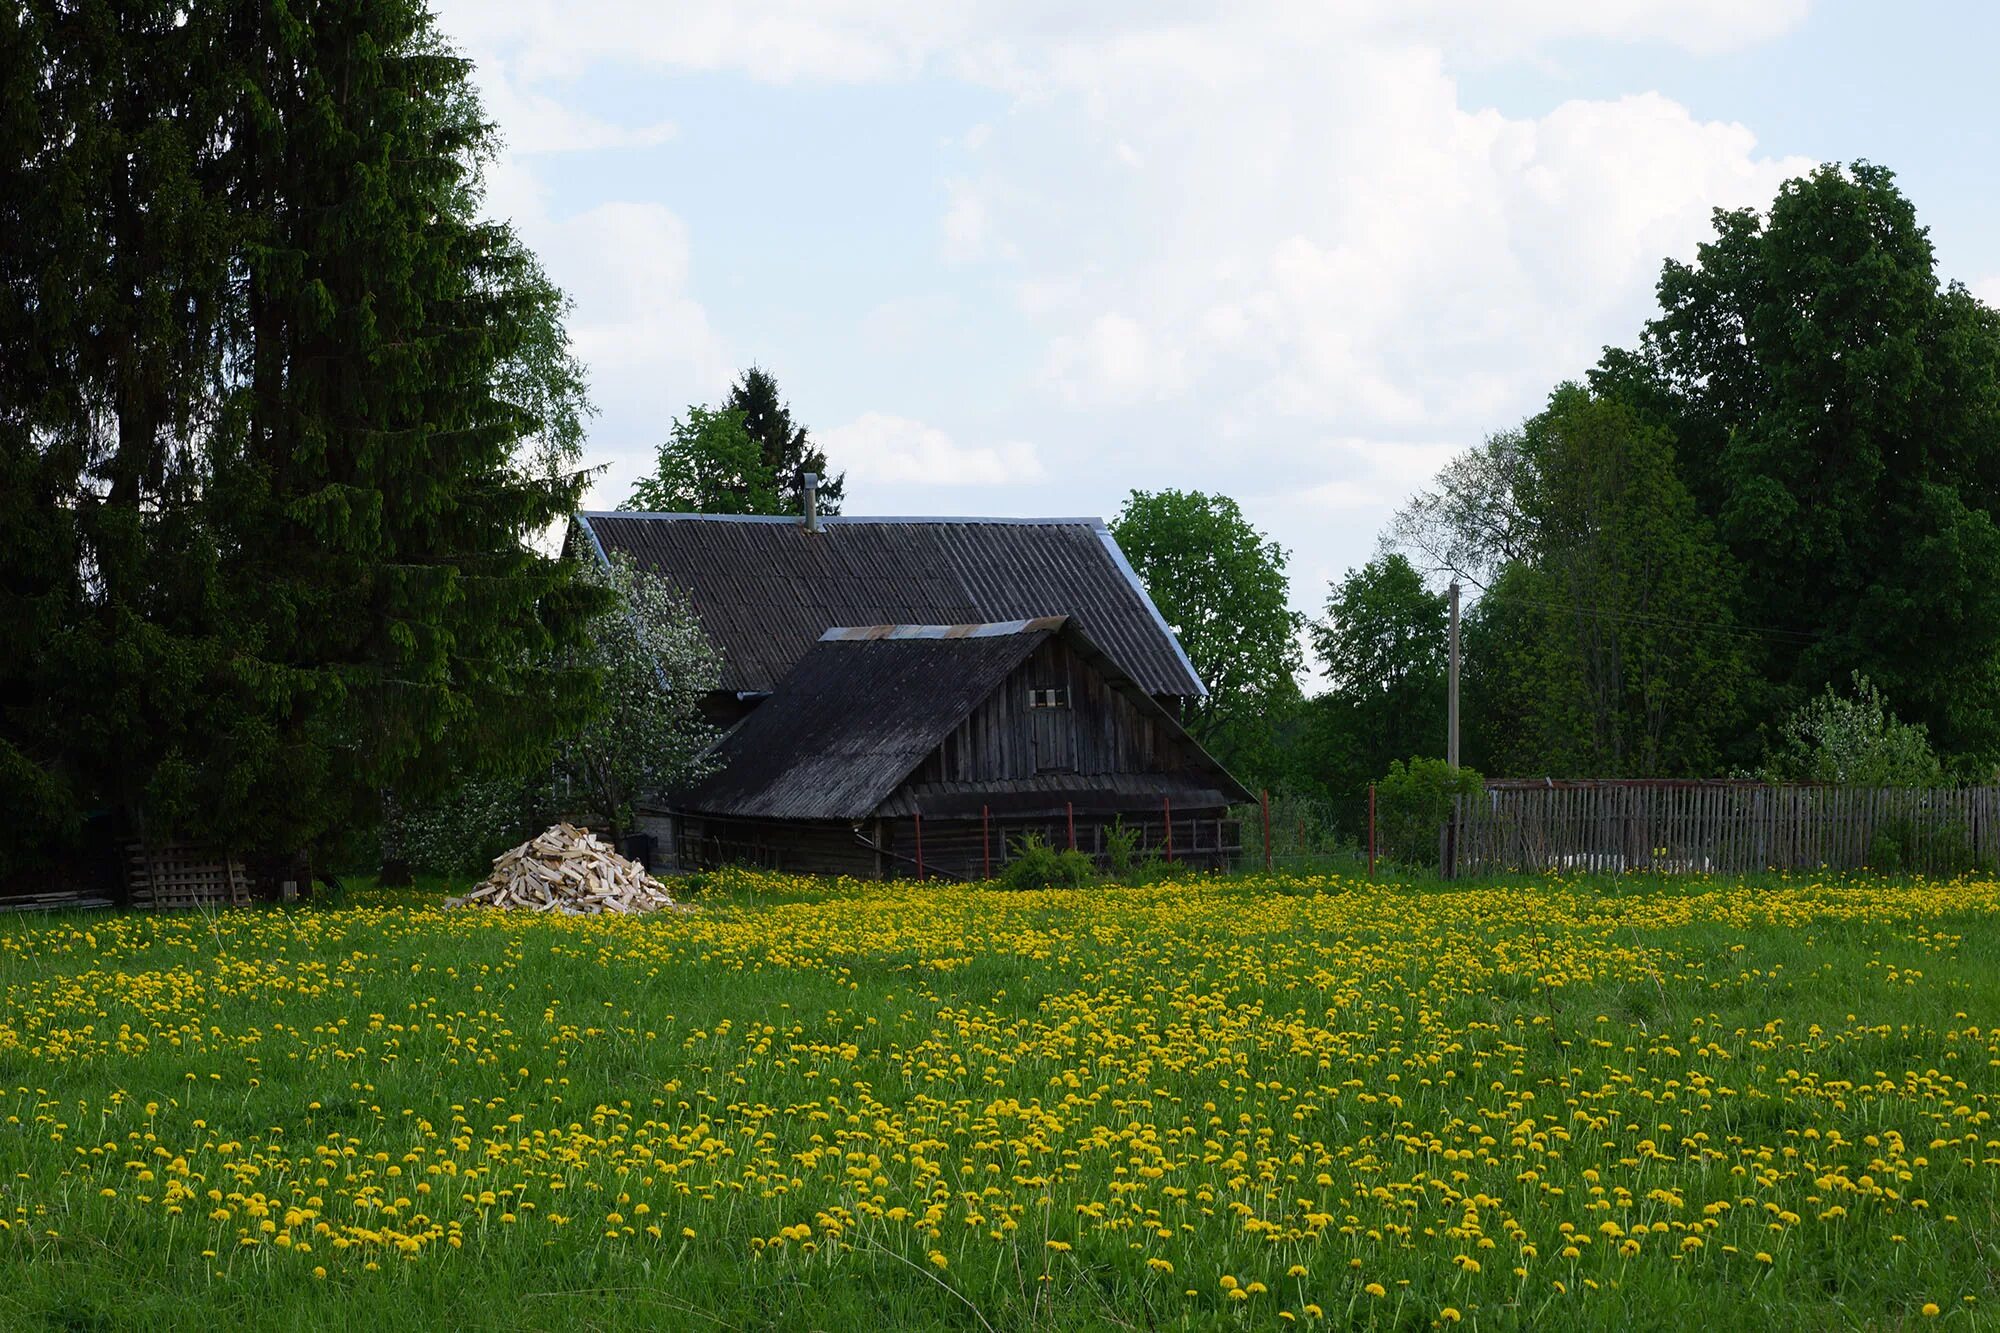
pixel 571 871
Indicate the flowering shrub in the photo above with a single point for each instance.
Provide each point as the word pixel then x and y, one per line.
pixel 1855 741
pixel 649 734
pixel 461 833
pixel 654 663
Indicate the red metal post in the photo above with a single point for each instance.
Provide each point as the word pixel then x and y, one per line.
pixel 1265 798
pixel 1069 811
pixel 1371 830
pixel 1167 808
pixel 918 816
pixel 986 842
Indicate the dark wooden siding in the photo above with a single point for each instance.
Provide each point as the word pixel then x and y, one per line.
pixel 964 848
pixel 1099 731
pixel 952 849
pixel 806 847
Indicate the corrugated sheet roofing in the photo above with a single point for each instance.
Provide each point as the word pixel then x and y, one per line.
pixel 766 588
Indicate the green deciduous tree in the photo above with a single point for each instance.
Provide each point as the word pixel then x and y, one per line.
pixel 784 447
pixel 1221 584
pixel 708 465
pixel 1605 643
pixel 1837 416
pixel 1640 666
pixel 1382 648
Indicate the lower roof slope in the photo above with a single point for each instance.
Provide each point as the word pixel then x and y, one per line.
pixel 865 706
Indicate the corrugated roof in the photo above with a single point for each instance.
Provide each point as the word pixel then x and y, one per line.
pixel 765 588
pixel 866 705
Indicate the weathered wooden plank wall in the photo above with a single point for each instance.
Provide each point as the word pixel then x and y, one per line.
pixel 1718 827
pixel 954 848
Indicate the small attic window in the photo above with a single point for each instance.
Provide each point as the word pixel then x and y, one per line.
pixel 1055 698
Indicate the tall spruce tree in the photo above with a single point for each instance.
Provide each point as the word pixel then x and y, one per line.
pixel 392 459
pixel 115 252
pixel 279 418
pixel 788 451
pixel 41 466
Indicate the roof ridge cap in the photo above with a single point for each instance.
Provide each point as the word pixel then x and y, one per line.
pixel 849 520
pixel 989 629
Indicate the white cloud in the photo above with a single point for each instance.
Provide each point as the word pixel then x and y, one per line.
pixel 1002 41
pixel 882 448
pixel 1239 236
pixel 1114 359
pixel 647 343
pixel 628 267
pixel 964 222
pixel 540 122
pixel 1316 242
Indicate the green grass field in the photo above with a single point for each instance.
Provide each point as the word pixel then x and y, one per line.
pixel 1298 1100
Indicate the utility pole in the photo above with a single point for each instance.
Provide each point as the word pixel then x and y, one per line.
pixel 1451 698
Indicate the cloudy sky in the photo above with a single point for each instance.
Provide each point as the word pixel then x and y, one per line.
pixel 1021 258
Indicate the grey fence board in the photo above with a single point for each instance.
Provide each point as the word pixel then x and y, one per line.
pixel 1722 827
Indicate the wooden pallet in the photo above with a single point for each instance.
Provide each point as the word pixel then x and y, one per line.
pixel 178 876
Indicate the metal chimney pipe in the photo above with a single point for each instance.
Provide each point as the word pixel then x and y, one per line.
pixel 810 483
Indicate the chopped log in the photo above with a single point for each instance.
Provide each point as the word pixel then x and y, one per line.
pixel 570 871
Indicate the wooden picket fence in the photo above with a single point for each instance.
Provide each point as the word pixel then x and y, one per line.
pixel 1722 827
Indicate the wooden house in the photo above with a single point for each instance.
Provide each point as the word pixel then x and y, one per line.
pixel 906 691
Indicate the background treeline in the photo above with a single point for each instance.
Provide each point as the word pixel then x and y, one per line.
pixel 1762 541
pixel 280 416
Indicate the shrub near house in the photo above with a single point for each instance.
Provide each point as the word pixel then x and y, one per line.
pixel 1413 801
